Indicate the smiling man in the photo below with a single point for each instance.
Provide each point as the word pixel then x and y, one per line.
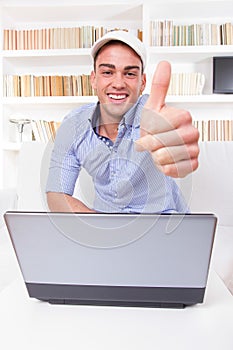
pixel 131 144
pixel 119 83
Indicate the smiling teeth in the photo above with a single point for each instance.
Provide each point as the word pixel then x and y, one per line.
pixel 117 97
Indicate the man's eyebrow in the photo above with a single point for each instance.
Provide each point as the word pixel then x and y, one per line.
pixel 109 65
pixel 131 67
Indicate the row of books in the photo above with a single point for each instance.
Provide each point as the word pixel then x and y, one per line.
pixel 162 33
pixel 186 84
pixel 166 33
pixel 55 38
pixel 49 85
pixel 215 130
pixel 210 130
pixel 80 85
pixel 43 130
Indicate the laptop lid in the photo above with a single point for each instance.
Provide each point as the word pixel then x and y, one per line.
pixel 113 259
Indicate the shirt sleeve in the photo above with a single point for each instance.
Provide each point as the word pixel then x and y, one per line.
pixel 64 164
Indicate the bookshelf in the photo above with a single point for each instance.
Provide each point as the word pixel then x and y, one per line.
pixel 24 16
pixel 187 57
pixel 24 20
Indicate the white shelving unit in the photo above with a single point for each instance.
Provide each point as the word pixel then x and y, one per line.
pixel 187 59
pixel 25 15
pixel 112 14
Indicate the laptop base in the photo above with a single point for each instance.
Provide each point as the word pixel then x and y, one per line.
pixel 129 296
pixel 117 303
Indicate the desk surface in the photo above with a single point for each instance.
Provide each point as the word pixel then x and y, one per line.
pixel 30 324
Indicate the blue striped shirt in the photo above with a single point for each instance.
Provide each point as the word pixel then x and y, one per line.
pixel 124 180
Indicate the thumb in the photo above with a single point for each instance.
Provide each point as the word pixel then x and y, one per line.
pixel 159 86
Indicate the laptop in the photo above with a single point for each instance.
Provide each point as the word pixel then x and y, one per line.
pixel 146 260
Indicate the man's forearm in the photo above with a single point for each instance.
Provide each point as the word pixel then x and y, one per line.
pixel 61 202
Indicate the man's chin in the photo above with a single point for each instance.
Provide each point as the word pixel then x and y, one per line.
pixel 117 110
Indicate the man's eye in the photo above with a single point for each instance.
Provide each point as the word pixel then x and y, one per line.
pixel 106 72
pixel 131 74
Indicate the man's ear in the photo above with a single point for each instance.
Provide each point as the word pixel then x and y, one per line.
pixel 93 80
pixel 143 85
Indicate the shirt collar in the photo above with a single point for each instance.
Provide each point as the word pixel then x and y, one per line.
pixel 131 117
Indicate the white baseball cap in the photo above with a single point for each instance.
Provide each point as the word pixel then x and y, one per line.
pixel 125 37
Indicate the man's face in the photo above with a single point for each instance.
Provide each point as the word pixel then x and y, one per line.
pixel 118 80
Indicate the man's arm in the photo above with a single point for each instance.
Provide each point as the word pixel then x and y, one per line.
pixel 167 132
pixel 61 202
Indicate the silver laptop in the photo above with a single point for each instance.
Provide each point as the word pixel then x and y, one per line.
pixel 152 260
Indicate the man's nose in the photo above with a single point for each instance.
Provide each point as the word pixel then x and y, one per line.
pixel 118 81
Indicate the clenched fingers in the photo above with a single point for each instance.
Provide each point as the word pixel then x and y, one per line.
pixel 186 134
pixel 174 154
pixel 180 169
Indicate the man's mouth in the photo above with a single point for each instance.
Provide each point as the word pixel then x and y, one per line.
pixel 117 97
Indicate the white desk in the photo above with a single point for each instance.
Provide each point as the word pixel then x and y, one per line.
pixel 30 324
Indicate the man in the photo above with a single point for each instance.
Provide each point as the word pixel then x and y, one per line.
pixel 131 144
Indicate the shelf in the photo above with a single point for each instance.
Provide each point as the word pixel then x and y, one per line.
pixel 200 51
pixel 11 146
pixel 16 146
pixel 79 100
pixel 62 13
pixel 68 60
pixel 55 100
pixel 201 99
pixel 191 11
pixel 45 53
pixel 188 54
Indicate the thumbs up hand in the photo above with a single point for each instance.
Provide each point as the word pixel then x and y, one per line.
pixel 167 132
